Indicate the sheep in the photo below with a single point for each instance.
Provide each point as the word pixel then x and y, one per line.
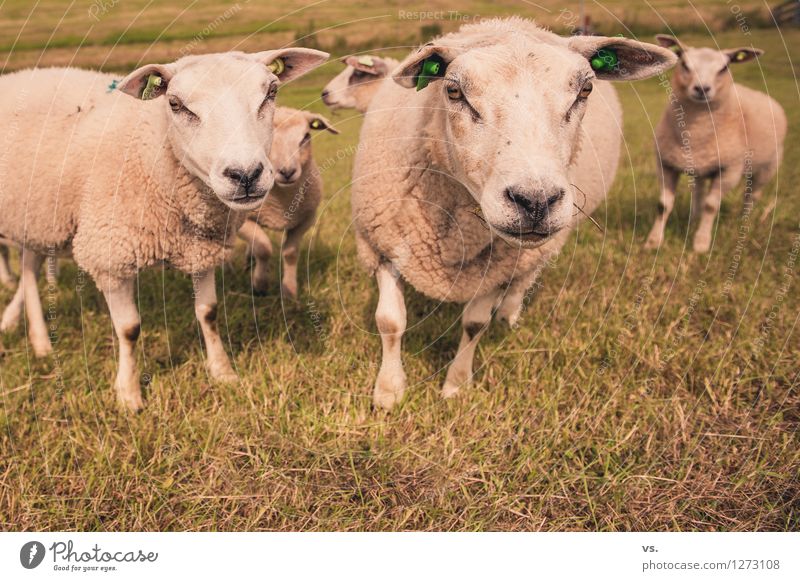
pixel 465 187
pixel 715 131
pixel 355 86
pixel 123 184
pixel 292 204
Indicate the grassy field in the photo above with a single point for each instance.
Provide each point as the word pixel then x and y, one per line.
pixel 643 391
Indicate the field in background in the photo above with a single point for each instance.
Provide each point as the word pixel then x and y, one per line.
pixel 643 391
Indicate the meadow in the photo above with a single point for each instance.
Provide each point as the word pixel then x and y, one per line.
pixel 643 390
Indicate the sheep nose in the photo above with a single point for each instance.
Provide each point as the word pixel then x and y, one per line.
pixel 244 178
pixel 287 172
pixel 702 90
pixel 325 93
pixel 534 205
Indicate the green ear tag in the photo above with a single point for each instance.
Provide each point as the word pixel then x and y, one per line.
pixel 431 68
pixel 277 67
pixel 151 88
pixel 604 60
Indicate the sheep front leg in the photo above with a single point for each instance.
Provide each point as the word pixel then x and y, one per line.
pixel 260 248
pixel 37 327
pixel 127 325
pixel 668 177
pixel 474 322
pixel 205 308
pixel 290 253
pixel 390 317
pixel 13 311
pixel 720 185
pixel 6 278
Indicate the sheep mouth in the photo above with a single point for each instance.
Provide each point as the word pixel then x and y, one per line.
pixel 286 183
pixel 248 200
pixel 526 236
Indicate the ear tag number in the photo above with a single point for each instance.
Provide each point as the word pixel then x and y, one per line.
pixel 151 88
pixel 277 67
pixel 431 68
pixel 604 60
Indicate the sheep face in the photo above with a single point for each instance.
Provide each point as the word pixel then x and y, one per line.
pixel 219 110
pixel 355 86
pixel 703 74
pixel 291 143
pixel 506 116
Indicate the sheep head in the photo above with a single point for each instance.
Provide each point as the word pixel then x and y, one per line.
pixel 219 110
pixel 504 112
pixel 703 74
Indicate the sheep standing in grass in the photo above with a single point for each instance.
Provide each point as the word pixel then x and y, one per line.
pixel 161 171
pixel 355 86
pixel 292 204
pixel 464 187
pixel 716 132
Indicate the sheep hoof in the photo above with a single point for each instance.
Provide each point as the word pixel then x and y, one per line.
pixel 289 291
pixel 702 244
pixel 389 390
pixel 130 398
pixel 223 373
pixel 10 322
pixel 653 242
pixel 42 349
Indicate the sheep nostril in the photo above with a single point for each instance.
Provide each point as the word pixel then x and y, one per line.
pixel 287 172
pixel 534 205
pixel 325 94
pixel 242 178
pixel 234 174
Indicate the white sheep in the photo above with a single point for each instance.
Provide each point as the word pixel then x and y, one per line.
pixel 355 86
pixel 292 204
pixel 716 132
pixel 161 171
pixel 464 187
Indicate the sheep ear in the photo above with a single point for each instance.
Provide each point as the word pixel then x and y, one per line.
pixel 290 63
pixel 671 43
pixel 742 55
pixel 147 82
pixel 622 59
pixel 318 123
pixel 428 64
pixel 367 64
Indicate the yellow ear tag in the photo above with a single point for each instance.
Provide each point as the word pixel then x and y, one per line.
pixel 150 90
pixel 315 124
pixel 740 56
pixel 277 67
pixel 366 61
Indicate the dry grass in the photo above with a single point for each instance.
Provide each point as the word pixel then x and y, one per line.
pixel 637 395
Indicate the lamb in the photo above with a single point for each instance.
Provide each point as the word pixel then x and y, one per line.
pixel 292 204
pixel 714 131
pixel 122 184
pixel 355 86
pixel 465 187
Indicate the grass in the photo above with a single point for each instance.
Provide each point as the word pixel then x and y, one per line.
pixel 638 394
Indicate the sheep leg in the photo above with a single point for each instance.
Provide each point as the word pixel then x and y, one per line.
pixel 127 325
pixel 13 312
pixel 37 327
pixel 290 253
pixel 260 248
pixel 6 278
pixel 699 189
pixel 474 322
pixel 668 177
pixel 205 308
pixel 721 184
pixel 390 317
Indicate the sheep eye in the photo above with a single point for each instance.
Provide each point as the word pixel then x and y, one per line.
pixel 585 90
pixel 684 67
pixel 454 93
pixel 272 93
pixel 723 70
pixel 175 104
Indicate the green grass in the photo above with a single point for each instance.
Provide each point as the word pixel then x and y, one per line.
pixel 636 395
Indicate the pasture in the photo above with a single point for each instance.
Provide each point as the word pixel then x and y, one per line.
pixel 643 390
